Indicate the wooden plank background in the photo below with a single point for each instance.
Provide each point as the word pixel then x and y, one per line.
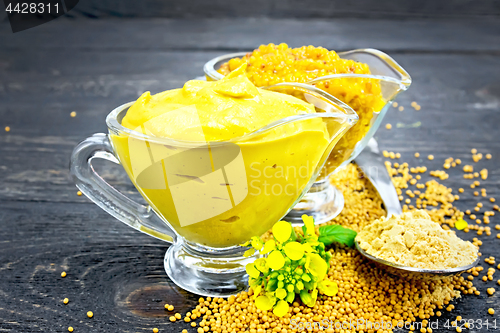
pixel 91 66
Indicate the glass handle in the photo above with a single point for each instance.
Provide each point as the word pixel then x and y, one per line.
pixel 138 216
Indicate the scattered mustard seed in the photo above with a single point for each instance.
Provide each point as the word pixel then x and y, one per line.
pixel 417 155
pixel 417 108
pixel 461 190
pixel 73 114
pixel 395 104
pixel 70 329
pixel 430 157
pixel 473 150
pixel 388 126
pixel 172 319
pixel 491 311
pixel 170 308
pixel 90 314
pixel 65 301
pixel 488 156
pixel 63 274
pixel 7 129
pixel 401 108
pixel 79 193
pixel 178 316
pixel 155 330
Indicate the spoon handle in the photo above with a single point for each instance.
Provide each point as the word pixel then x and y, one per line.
pixel 370 161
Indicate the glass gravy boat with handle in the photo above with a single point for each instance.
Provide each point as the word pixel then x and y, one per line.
pixel 207 198
pixel 324 201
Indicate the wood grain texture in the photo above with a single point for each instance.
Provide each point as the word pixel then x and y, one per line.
pixel 93 66
pixel 286 8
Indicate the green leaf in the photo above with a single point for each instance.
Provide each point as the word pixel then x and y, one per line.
pixel 336 233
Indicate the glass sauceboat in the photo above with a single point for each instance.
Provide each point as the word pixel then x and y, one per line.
pixel 207 198
pixel 324 201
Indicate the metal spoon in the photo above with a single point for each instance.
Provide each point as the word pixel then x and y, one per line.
pixel 371 163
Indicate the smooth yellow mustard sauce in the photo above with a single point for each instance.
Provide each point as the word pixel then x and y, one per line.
pixel 223 110
pixel 227 186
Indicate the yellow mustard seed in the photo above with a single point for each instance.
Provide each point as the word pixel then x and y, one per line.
pixel 413 104
pixel 155 330
pixel 90 314
pixel 417 155
pixel 184 331
pixel 73 114
pixel 461 190
pixel 70 329
pixel 401 108
pixel 458 329
pixel 395 104
pixel 488 156
pixel 458 161
pixel 193 324
pixel 417 108
pixel 388 126
pixel 63 274
pixel 7 129
pixel 178 316
pixel 430 157
pixel 172 319
pixel 492 200
pixel 491 311
pixel 170 308
pixel 66 301
pixel 473 150
pixel 476 193
pixel 79 193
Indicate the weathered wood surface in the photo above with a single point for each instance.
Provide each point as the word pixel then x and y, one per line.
pixel 92 66
pixel 393 9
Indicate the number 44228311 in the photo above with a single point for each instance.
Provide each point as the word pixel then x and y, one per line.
pixel 33 8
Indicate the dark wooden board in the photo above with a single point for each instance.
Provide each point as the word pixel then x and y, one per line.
pixel 286 8
pixel 231 35
pixel 93 66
